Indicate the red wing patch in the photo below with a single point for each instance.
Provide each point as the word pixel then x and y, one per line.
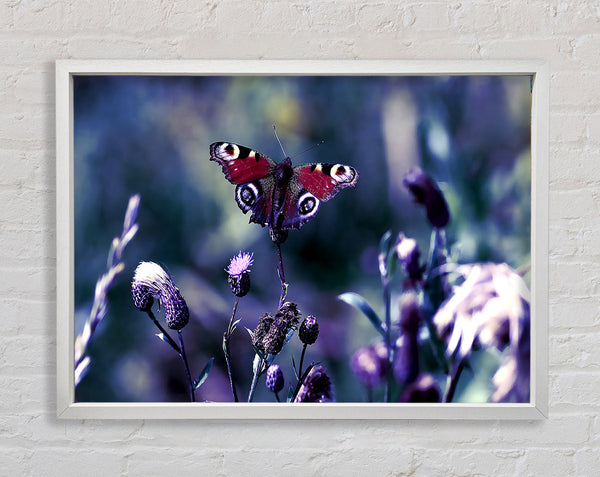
pixel 241 164
pixel 325 180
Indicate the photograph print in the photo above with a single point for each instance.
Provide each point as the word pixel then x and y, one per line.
pixel 302 239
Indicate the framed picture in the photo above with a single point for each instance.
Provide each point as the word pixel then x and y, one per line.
pixel 302 239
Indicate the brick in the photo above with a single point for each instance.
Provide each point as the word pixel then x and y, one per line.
pixel 578 278
pixel 587 461
pixel 574 389
pixel 43 15
pixel 575 351
pixel 60 461
pixel 573 313
pixel 466 462
pixel 27 355
pixel 190 462
pixel 585 49
pixel 566 128
pixel 548 462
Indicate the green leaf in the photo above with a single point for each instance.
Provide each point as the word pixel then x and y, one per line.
pixel 358 302
pixel 234 326
pixel 203 374
pixel 291 393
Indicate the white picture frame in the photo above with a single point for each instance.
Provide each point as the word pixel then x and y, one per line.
pixel 66 405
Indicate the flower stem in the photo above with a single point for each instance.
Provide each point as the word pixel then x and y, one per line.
pixel 454 380
pixel 301 360
pixel 187 368
pixel 388 339
pixel 227 351
pixel 164 332
pixel 284 285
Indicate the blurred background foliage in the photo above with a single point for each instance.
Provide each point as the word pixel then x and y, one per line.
pixel 151 135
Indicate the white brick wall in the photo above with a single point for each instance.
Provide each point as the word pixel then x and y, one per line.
pixel 36 33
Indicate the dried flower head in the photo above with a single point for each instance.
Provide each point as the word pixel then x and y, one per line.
pixel 271 332
pixel 274 379
pixel 239 273
pixel 425 191
pixel 490 306
pixel 317 387
pixel 369 364
pixel 152 281
pixel 409 255
pixel 309 330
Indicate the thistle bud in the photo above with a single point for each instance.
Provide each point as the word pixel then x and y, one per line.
pixel 274 379
pixel 425 191
pixel 309 330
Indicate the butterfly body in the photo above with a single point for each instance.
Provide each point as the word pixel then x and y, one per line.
pixel 279 195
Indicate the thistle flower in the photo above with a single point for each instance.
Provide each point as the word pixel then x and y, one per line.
pixel 426 192
pixel 274 379
pixel 151 281
pixel 239 273
pixel 309 330
pixel 491 307
pixel 369 364
pixel 424 389
pixel 317 387
pixel 409 255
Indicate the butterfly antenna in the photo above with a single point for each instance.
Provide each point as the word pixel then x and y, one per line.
pixel 309 148
pixel 280 145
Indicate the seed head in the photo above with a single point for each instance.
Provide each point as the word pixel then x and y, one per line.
pixel 152 281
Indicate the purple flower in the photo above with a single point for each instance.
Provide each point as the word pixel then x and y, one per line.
pixel 274 379
pixel 426 192
pixel 317 387
pixel 152 281
pixel 239 273
pixel 369 364
pixel 240 264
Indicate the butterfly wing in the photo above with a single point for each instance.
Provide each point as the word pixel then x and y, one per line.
pixel 312 184
pixel 252 172
pixel 240 163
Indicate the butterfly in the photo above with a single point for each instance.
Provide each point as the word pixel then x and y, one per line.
pixel 279 195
